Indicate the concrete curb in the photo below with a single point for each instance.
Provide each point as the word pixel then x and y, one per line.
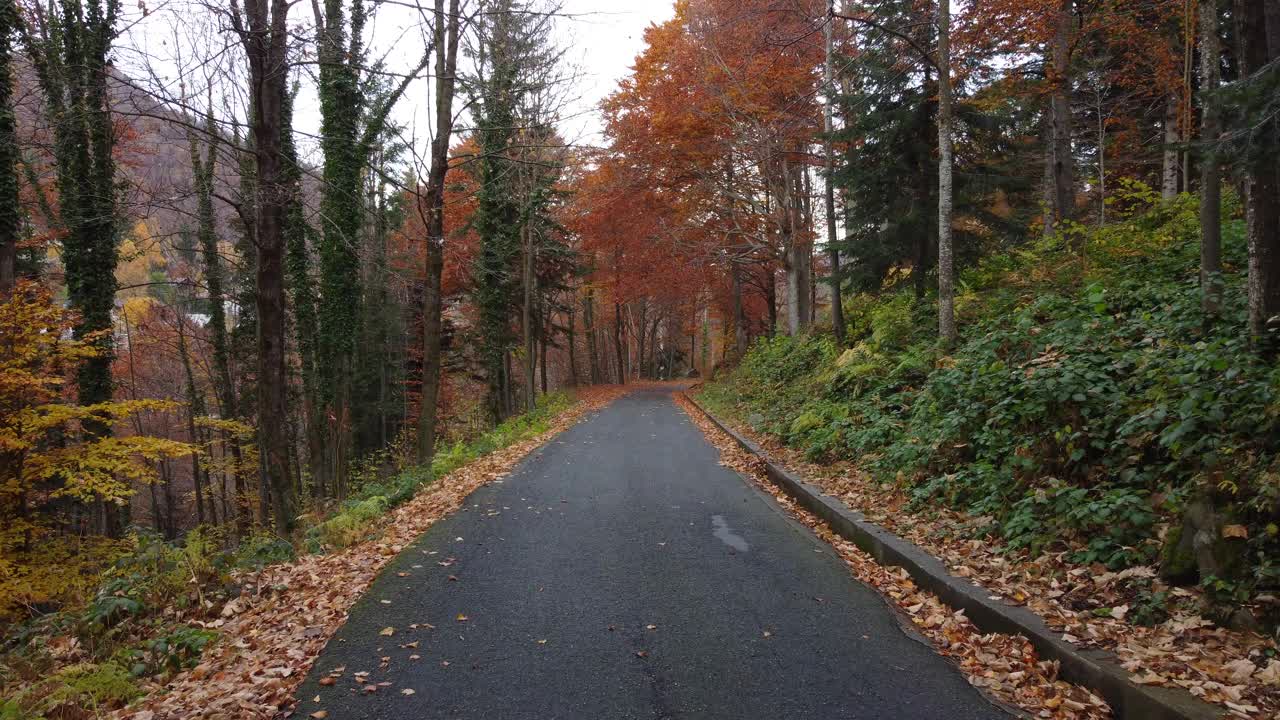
pixel 1099 671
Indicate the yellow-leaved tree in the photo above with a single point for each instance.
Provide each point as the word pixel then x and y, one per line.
pixel 47 458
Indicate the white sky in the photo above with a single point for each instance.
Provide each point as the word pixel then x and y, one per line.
pixel 602 38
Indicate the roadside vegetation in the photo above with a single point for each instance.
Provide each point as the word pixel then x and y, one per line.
pixel 1088 409
pixel 143 609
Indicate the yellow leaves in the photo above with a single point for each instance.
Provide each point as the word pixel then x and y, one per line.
pixel 136 309
pixel 35 359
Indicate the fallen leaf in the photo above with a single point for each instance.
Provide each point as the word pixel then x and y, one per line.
pixel 1235 531
pixel 387 631
pixel 407 691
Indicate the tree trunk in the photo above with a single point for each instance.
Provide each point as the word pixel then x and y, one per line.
pixel 1210 182
pixel 543 339
pixel 1172 136
pixel 194 405
pixel 946 291
pixel 530 337
pixel 1060 103
pixel 572 341
pixel 617 343
pixel 1261 44
pixel 446 41
pixel 266 44
pixel 10 215
pixel 833 252
pixel 589 320
pixel 739 313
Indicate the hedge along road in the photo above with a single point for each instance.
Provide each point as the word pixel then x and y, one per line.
pixel 622 572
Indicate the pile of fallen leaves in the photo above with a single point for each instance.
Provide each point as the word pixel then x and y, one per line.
pixel 1005 666
pixel 275 630
pixel 1090 605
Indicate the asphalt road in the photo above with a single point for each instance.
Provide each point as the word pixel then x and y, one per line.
pixel 621 572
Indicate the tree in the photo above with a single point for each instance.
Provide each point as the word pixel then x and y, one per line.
pixel 1252 133
pixel 203 170
pixel 90 465
pixel 432 206
pixel 262 27
pixel 10 213
pixel 69 46
pixel 833 250
pixel 1210 182
pixel 946 292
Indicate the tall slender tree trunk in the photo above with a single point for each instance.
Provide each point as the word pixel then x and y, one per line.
pixel 1260 44
pixel 195 405
pixel 589 320
pixel 617 343
pixel 739 312
pixel 833 252
pixel 10 216
pixel 1169 159
pixel 1060 103
pixel 572 342
pixel 265 37
pixel 446 41
pixel 1210 181
pixel 530 335
pixel 946 291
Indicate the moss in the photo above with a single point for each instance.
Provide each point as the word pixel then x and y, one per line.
pixel 88 686
pixel 1177 560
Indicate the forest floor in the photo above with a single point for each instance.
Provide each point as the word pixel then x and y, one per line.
pixel 286 613
pixel 1091 606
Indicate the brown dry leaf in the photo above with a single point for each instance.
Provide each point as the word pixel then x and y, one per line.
pixel 1235 531
pixel 407 691
pixel 320 714
pixel 387 631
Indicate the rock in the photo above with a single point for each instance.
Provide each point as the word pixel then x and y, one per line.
pixel 1177 562
pixel 1199 548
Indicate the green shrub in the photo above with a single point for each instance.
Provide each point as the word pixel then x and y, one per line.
pixel 1084 403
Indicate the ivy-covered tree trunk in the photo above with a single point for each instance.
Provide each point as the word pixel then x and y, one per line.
pixel 69 48
pixel 302 297
pixel 9 212
pixel 203 168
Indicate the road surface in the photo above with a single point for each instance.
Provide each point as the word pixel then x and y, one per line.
pixel 622 572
